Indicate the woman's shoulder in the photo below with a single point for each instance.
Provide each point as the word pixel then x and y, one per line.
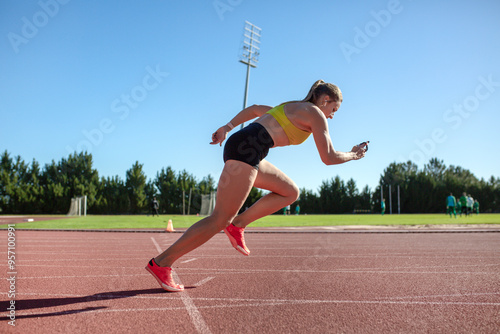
pixel 305 115
pixel 304 109
pixel 301 106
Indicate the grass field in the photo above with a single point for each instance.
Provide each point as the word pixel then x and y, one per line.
pixel 179 221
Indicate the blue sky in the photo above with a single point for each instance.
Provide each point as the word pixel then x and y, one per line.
pixel 150 81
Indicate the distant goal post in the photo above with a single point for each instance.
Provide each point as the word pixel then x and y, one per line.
pixel 207 204
pixel 78 206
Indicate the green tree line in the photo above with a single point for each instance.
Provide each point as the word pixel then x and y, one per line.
pixel 26 188
pixel 425 191
pixel 420 191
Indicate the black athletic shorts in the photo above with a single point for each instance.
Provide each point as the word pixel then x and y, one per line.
pixel 249 145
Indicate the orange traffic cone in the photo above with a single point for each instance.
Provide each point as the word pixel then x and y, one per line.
pixel 170 226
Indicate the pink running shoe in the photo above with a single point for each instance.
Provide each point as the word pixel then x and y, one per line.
pixel 164 276
pixel 235 235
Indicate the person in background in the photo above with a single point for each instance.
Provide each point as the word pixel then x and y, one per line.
pixel 463 204
pixel 459 207
pixel 450 205
pixel 470 204
pixel 475 207
pixel 154 207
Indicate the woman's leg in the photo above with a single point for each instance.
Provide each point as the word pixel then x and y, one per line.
pixel 283 192
pixel 235 183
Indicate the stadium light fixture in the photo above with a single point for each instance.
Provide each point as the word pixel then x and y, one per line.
pixel 250 54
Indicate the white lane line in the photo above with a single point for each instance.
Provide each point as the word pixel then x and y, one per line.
pixel 270 303
pixel 193 259
pixel 243 271
pixel 337 271
pixel 89 259
pixel 81 276
pixel 324 257
pixel 196 317
pixel 203 281
pixel 473 294
pixel 255 301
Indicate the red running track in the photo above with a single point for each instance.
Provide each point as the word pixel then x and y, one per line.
pixel 95 282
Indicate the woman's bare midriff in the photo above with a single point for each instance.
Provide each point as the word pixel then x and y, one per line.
pixel 275 130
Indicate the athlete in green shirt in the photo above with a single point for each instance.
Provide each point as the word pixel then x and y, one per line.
pixel 463 204
pixel 476 207
pixel 451 202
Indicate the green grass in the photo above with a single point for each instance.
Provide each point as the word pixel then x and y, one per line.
pixel 179 221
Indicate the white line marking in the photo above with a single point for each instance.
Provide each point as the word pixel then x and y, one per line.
pixel 338 271
pixel 193 259
pixel 90 259
pixel 255 271
pixel 203 281
pixel 273 303
pixel 325 257
pixel 158 248
pixel 198 321
pixel 442 296
pixel 81 276
pixel 243 303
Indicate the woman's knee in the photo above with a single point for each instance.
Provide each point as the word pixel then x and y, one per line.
pixel 223 219
pixel 293 192
pixel 290 190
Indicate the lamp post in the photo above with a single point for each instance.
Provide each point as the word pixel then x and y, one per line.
pixel 250 54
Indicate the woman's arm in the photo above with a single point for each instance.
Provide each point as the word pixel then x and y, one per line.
pixel 243 116
pixel 249 113
pixel 329 156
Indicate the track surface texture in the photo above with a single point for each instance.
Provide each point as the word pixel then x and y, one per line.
pixel 95 282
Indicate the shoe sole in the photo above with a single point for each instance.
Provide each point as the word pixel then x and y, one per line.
pixel 163 285
pixel 235 244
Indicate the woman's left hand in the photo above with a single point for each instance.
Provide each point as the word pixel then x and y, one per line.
pixel 360 150
pixel 219 136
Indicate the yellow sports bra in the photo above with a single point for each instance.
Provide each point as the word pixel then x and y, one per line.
pixel 295 135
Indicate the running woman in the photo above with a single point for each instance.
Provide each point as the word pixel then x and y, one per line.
pixel 289 123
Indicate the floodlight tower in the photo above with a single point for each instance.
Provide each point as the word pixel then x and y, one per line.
pixel 250 54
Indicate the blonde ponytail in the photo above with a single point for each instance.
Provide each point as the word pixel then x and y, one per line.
pixel 319 88
pixel 311 96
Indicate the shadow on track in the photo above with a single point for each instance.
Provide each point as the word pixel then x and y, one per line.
pixel 28 304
